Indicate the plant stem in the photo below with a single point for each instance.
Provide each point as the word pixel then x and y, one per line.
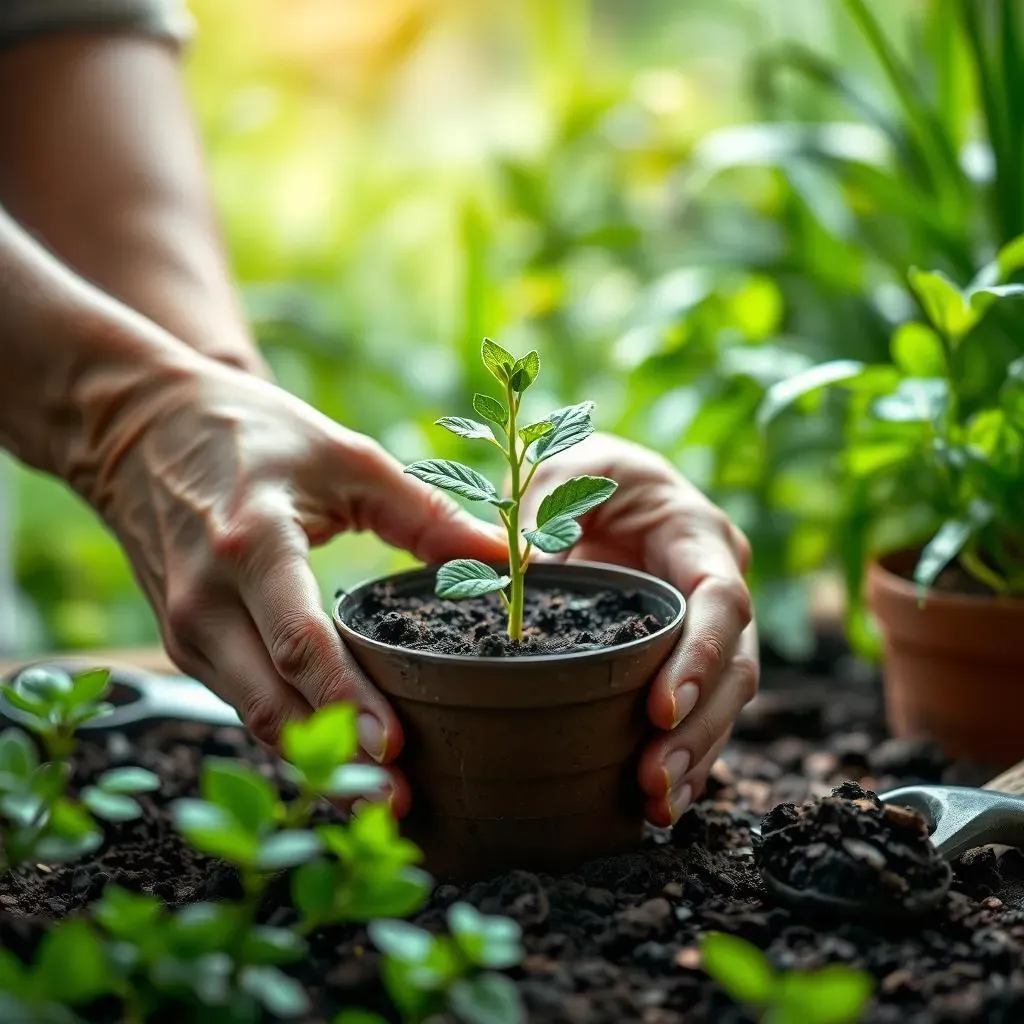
pixel 515 568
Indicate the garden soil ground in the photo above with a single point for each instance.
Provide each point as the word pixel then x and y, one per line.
pixel 617 941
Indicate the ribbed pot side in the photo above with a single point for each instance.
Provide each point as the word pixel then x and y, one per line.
pixel 954 665
pixel 522 762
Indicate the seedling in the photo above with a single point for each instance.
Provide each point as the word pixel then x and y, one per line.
pixel 524 448
pixel 833 995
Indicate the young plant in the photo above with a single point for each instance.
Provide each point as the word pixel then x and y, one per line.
pixel 38 822
pixel 833 995
pixel 524 449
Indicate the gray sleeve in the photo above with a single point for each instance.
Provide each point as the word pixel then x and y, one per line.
pixel 168 19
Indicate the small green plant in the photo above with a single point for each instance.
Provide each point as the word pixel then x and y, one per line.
pixel 38 822
pixel 524 449
pixel 832 995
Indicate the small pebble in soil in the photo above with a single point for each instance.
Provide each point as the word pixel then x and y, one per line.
pixel 851 847
pixel 554 622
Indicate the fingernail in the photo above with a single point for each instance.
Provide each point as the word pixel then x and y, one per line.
pixel 372 737
pixel 675 767
pixel 683 701
pixel 679 802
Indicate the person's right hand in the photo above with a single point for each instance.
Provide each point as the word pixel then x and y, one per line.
pixel 217 486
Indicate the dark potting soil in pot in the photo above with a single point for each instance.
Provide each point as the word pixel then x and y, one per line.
pixel 617 941
pixel 850 847
pixel 554 622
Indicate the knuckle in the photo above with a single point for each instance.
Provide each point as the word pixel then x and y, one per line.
pixel 747 672
pixel 706 733
pixel 263 716
pixel 297 647
pixel 709 654
pixel 733 593
pixel 741 544
pixel 233 539
pixel 182 615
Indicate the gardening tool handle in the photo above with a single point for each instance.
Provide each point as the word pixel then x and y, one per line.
pixel 1011 781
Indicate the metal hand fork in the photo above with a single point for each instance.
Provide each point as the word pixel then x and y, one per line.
pixel 139 698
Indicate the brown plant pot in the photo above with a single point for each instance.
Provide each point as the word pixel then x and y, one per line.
pixel 522 762
pixel 954 665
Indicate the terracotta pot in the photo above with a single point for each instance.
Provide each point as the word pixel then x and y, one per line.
pixel 522 762
pixel 954 665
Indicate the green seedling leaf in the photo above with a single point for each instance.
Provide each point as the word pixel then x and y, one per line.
pixel 917 351
pixel 487 999
pixel 126 914
pixel 212 830
pixel 396 895
pixel 524 372
pixel 279 994
pixel 128 780
pixel 466 577
pixel 56 850
pixel 456 478
pixel 288 850
pixel 740 968
pixel 943 302
pixel 947 544
pixel 530 433
pixel 785 393
pixel 70 821
pixel 17 754
pixel 325 740
pixel 202 928
pixel 88 687
pixel 50 779
pixel 466 428
pixel 46 684
pixel 833 995
pixel 1010 257
pixel 982 299
pixel 88 713
pixel 487 940
pixel 23 808
pixel 110 806
pixel 575 497
pixel 30 705
pixel 348 781
pixel 71 965
pixel 401 940
pixel 241 792
pixel 491 409
pixel 499 363
pixel 313 889
pixel 555 535
pixel 915 400
pixel 569 426
pixel 266 945
pixel 359 1017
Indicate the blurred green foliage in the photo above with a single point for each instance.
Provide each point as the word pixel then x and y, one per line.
pixel 678 205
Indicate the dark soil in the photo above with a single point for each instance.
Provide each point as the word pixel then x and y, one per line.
pixel 554 622
pixel 850 851
pixel 617 940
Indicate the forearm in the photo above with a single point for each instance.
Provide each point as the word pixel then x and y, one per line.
pixel 102 162
pixel 76 363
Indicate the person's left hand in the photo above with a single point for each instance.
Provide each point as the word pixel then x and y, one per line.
pixel 660 523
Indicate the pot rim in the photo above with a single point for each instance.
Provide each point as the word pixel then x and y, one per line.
pixel 885 572
pixel 670 592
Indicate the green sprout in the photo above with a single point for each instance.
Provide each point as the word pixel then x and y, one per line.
pixel 524 449
pixel 833 995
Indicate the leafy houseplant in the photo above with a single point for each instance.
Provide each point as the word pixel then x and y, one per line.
pixel 932 470
pixel 524 756
pixel 557 528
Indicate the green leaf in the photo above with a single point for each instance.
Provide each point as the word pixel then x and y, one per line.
pixel 22 808
pixel 466 428
pixel 395 895
pixel 498 362
pixel 569 426
pixel 313 888
pixel 942 300
pixel 128 780
pixel 575 497
pixel 1010 257
pixel 47 684
pixel 358 1017
pixel 915 400
pixel 491 409
pixel 57 850
pixel 17 754
pixel 740 968
pixel 126 914
pixel 555 535
pixel 213 830
pixel 110 806
pixel 266 945
pixel 532 431
pixel 280 995
pixel 322 742
pixel 947 544
pixel 240 791
pixel 785 393
pixel 454 477
pixel 199 929
pixel 524 372
pixel 401 940
pixel 487 940
pixel 353 780
pixel 917 351
pixel 70 964
pixel 833 995
pixel 288 850
pixel 487 999
pixel 466 577
pixel 29 705
pixel 70 821
pixel 89 686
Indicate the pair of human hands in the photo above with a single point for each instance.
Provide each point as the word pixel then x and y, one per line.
pixel 218 490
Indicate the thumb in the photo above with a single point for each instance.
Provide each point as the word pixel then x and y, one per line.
pixel 412 515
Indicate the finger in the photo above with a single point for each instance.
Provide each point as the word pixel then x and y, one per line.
pixel 397 793
pixel 702 564
pixel 667 810
pixel 282 596
pixel 670 758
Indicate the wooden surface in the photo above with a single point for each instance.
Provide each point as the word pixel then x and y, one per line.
pixel 152 659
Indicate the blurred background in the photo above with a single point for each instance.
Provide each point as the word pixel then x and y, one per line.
pixel 676 203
